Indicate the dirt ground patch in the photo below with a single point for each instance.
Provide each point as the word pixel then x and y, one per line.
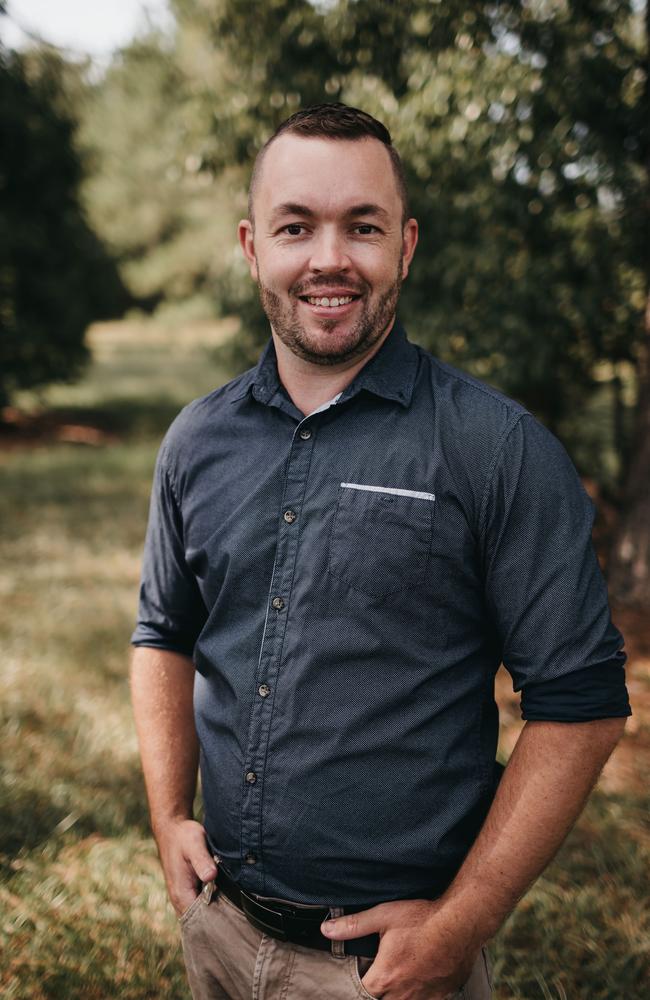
pixel 36 430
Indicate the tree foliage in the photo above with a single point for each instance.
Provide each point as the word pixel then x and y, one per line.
pixel 148 191
pixel 54 275
pixel 521 126
pixel 523 130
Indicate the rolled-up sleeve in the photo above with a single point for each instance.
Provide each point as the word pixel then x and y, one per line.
pixel 171 610
pixel 544 587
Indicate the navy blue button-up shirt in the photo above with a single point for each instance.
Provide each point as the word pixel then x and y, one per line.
pixel 347 584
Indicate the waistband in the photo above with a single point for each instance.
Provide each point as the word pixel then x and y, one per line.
pixel 297 923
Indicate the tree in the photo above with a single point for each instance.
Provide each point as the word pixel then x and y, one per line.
pixel 522 129
pixel 55 277
pixel 629 569
pixel 518 124
pixel 148 191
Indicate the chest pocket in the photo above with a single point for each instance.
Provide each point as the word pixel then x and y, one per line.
pixel 381 538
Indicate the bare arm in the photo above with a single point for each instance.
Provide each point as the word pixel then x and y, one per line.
pixel 553 768
pixel 162 685
pixel 549 776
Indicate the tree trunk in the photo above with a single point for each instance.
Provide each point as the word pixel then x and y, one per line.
pixel 629 563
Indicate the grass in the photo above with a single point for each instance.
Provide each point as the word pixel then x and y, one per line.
pixel 83 912
pixel 82 905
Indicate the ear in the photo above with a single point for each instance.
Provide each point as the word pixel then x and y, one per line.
pixel 246 242
pixel 409 243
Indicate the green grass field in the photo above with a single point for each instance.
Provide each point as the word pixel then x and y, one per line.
pixel 83 912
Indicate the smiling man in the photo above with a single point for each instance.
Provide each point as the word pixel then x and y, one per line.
pixel 343 545
pixel 330 268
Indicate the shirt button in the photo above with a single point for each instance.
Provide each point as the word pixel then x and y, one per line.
pixel 305 434
pixel 264 690
pixel 290 516
pixel 251 859
pixel 277 603
pixel 251 777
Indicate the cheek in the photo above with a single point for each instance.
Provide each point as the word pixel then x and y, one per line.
pixel 385 276
pixel 379 265
pixel 281 271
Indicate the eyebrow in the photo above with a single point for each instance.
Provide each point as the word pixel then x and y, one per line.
pixel 293 208
pixel 369 208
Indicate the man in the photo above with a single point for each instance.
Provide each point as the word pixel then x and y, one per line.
pixel 343 545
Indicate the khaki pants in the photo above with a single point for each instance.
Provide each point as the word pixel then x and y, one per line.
pixel 228 959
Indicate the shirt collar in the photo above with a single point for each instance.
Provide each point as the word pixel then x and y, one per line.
pixel 390 373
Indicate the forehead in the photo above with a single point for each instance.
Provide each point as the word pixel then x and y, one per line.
pixel 326 174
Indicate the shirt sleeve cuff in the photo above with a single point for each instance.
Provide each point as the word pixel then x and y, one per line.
pixel 160 639
pixel 581 696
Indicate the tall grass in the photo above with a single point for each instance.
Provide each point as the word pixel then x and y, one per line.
pixel 83 912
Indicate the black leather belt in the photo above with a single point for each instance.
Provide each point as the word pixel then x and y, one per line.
pixel 298 923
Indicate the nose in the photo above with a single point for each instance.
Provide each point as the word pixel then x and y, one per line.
pixel 328 252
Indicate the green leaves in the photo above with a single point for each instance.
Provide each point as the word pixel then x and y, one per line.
pixel 55 277
pixel 521 127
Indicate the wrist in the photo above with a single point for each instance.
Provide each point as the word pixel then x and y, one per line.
pixel 165 826
pixel 461 920
pixel 470 911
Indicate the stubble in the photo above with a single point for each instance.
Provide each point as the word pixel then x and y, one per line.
pixel 365 333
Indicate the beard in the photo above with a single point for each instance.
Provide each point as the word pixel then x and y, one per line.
pixel 327 348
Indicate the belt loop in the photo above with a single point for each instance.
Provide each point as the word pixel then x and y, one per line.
pixel 338 947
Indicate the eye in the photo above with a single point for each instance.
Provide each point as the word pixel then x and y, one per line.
pixel 365 229
pixel 293 229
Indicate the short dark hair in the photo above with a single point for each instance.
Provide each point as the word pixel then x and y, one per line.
pixel 335 121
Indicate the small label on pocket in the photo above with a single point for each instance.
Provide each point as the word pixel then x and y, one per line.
pixel 394 490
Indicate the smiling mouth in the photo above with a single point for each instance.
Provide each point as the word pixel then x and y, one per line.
pixel 329 301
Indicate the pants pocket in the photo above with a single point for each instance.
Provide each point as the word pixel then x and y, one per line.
pixel 479 984
pixel 359 967
pixel 191 909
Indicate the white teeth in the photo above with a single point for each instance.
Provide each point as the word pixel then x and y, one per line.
pixel 340 301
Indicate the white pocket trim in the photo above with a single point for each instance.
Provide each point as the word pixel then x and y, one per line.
pixel 388 489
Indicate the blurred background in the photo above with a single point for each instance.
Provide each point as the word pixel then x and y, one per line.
pixel 127 133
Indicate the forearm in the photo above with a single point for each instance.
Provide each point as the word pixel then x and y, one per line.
pixel 547 781
pixel 162 688
pixel 162 685
pixel 427 947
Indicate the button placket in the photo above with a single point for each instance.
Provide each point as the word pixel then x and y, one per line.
pixel 297 470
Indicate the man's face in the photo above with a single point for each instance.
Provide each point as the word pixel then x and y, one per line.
pixel 328 248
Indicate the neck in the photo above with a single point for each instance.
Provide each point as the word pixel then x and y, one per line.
pixel 310 385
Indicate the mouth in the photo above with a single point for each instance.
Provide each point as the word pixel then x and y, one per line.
pixel 333 304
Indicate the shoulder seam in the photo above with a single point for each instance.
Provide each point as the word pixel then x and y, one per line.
pixel 498 397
